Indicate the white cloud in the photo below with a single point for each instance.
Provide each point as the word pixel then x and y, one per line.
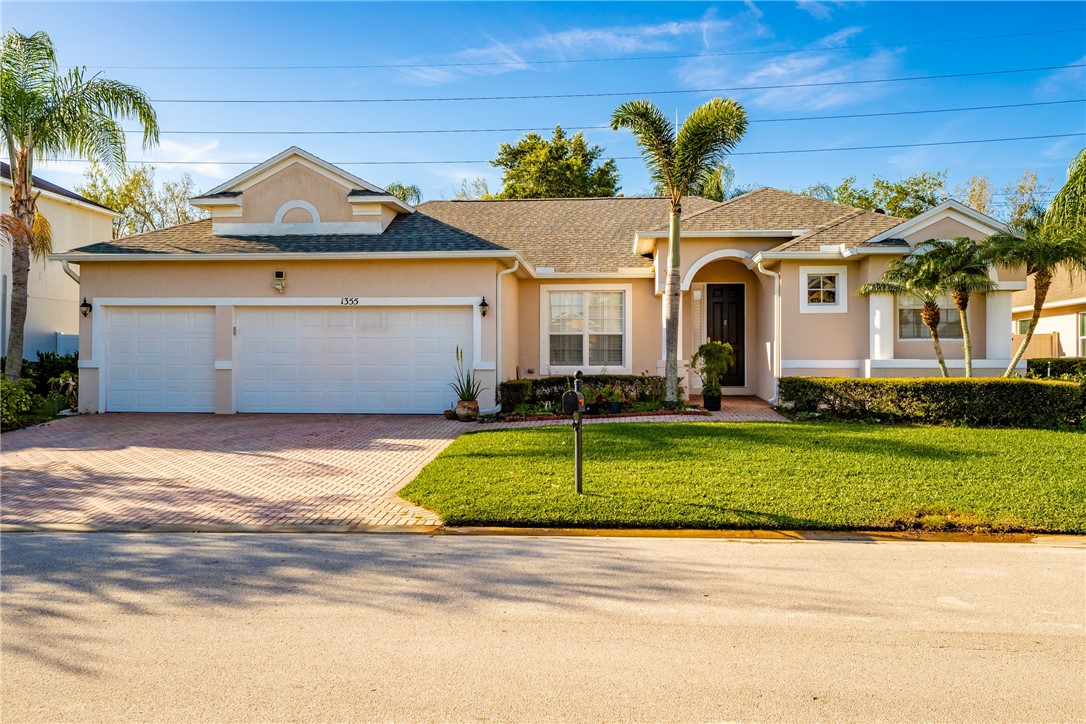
pixel 817 10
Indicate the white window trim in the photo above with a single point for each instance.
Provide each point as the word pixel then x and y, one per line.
pixel 1081 335
pixel 841 307
pixel 544 329
pixel 945 305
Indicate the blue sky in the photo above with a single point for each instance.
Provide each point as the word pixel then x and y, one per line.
pixel 512 49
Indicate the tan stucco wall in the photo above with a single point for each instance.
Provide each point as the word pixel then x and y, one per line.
pixel 1063 288
pixel 510 326
pixel 819 336
pixel 1065 322
pixel 220 280
pixel 262 200
pixel 943 229
pixel 52 296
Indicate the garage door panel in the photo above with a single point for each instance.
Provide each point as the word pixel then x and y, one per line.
pixel 350 360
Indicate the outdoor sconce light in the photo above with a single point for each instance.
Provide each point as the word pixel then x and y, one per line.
pixel 483 306
pixel 279 282
pixel 85 308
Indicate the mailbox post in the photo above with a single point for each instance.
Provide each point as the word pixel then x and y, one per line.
pixel 573 403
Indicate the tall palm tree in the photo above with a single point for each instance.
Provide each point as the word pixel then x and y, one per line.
pixel 676 163
pixel 407 193
pixel 907 278
pixel 44 114
pixel 960 267
pixel 1068 208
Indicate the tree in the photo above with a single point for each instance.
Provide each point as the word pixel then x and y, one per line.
pixel 906 277
pixel 1023 196
pixel 143 207
pixel 821 191
pixel 473 189
pixel 1046 243
pixel 677 162
pixel 976 193
pixel 42 115
pixel 904 198
pixel 960 267
pixel 407 193
pixel 564 167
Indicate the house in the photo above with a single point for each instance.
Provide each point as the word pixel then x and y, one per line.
pixel 1061 330
pixel 52 315
pixel 312 290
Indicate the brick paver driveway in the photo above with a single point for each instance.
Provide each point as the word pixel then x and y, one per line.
pixel 269 470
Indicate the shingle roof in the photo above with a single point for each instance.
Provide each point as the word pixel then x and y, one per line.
pixel 765 208
pixel 43 185
pixel 406 233
pixel 851 229
pixel 570 235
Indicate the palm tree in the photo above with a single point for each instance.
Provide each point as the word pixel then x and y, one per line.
pixel 44 114
pixel 907 278
pixel 676 163
pixel 1068 208
pixel 407 193
pixel 958 266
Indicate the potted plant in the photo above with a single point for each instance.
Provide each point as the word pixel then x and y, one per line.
pixel 711 362
pixel 467 388
pixel 614 399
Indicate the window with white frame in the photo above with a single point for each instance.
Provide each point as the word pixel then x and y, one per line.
pixel 1082 334
pixel 585 329
pixel 1023 325
pixel 823 289
pixel 910 323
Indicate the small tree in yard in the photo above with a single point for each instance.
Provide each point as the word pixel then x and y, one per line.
pixel 678 162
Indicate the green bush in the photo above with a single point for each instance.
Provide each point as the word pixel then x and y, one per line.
pixel 1056 366
pixel 48 366
pixel 995 402
pixel 643 388
pixel 16 399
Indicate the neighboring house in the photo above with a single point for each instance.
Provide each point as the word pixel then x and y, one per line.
pixel 1061 331
pixel 311 290
pixel 52 315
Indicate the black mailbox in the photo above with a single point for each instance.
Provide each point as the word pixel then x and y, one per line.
pixel 572 402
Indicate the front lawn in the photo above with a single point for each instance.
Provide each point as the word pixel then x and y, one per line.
pixel 763 475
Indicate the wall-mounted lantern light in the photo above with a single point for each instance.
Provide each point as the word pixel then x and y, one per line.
pixel 85 308
pixel 483 306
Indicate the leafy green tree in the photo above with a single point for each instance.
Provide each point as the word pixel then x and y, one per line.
pixel 473 189
pixel 821 191
pixel 959 267
pixel 564 167
pixel 144 207
pixel 407 193
pixel 904 198
pixel 678 161
pixel 1024 196
pixel 976 193
pixel 44 114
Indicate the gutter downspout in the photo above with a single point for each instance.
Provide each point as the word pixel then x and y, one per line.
pixel 776 331
pixel 68 270
pixel 498 336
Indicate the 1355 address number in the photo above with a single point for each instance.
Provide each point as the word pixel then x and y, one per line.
pixel 348 301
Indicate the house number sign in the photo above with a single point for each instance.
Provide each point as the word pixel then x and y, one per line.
pixel 348 301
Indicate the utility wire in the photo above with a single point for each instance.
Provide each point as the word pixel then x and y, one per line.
pixel 401 131
pixel 624 158
pixel 551 96
pixel 519 63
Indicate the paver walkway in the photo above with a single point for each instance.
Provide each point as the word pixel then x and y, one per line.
pixel 161 469
pixel 256 470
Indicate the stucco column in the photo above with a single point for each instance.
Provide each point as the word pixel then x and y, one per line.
pixel 224 360
pixel 881 326
pixel 998 325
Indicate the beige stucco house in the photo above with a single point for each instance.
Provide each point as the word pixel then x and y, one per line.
pixel 1063 317
pixel 311 290
pixel 52 316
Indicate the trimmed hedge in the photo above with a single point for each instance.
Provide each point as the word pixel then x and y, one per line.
pixel 511 393
pixel 1056 366
pixel 995 402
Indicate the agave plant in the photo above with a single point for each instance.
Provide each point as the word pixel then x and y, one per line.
pixel 467 386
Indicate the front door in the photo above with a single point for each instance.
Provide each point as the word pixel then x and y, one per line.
pixel 727 323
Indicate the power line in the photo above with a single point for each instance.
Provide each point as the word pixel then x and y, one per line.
pixel 552 96
pixel 401 131
pixel 623 158
pixel 519 63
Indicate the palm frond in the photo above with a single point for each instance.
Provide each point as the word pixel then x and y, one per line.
pixel 15 231
pixel 1068 207
pixel 705 138
pixel 41 237
pixel 655 135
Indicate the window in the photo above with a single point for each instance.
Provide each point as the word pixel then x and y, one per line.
pixel 585 329
pixel 1082 334
pixel 823 289
pixel 1023 325
pixel 910 324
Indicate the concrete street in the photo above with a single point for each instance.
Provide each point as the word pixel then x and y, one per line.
pixel 205 627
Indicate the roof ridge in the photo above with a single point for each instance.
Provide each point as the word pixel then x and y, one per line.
pixel 821 228
pixel 561 198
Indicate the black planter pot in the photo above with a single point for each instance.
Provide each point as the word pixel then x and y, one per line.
pixel 613 408
pixel 711 402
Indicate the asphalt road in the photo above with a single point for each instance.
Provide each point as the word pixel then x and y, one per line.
pixel 205 627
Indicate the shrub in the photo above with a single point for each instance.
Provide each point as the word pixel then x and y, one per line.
pixel 1056 366
pixel 973 402
pixel 16 400
pixel 514 393
pixel 47 367
pixel 643 388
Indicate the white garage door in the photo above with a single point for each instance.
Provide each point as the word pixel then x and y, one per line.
pixel 374 359
pixel 160 359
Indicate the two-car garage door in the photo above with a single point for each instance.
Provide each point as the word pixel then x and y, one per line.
pixel 289 359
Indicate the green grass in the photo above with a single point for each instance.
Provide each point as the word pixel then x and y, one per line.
pixel 763 475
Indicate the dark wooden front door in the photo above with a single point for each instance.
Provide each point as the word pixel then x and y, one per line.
pixel 726 317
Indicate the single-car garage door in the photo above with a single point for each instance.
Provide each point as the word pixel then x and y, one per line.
pixel 160 359
pixel 365 359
